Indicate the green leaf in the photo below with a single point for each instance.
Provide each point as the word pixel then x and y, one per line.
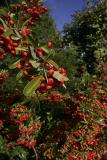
pixel 32 86
pixel 59 76
pixel 21 49
pixel 5 26
pixel 13 37
pixel 45 49
pixel 52 63
pixel 33 52
pixel 8 33
pixel 35 64
pixel 19 75
pixel 14 65
pixel 50 53
pixel 17 33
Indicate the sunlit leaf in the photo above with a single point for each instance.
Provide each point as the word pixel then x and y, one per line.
pixel 33 52
pixel 21 49
pixel 13 37
pixel 35 64
pixel 60 77
pixel 32 86
pixel 45 49
pixel 5 26
pixel 50 61
pixel 17 33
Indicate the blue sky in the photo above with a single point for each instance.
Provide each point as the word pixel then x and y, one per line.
pixel 62 9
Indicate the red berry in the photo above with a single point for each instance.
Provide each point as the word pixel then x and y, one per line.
pixel 26 64
pixel 1 42
pixel 4 30
pixel 51 72
pixel 45 8
pixel 32 77
pixel 19 66
pixel 42 85
pixel 61 84
pixel 26 6
pixel 51 81
pixel 9 46
pixel 15 45
pixel 63 70
pixel 13 52
pixel 48 87
pixel 7 38
pixel 49 44
pixel 25 73
pixel 46 64
pixel 24 54
pixel 39 52
pixel 19 6
pixel 11 22
pixel 23 33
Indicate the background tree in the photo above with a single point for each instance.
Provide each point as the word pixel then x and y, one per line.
pixel 88 31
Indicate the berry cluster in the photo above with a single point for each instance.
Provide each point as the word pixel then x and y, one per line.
pixel 21 127
pixel 32 61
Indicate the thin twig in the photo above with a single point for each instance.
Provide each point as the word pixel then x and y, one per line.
pixel 36 155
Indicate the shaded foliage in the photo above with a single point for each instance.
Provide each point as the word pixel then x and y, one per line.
pixel 5 3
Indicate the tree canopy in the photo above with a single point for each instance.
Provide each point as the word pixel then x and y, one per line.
pixel 88 31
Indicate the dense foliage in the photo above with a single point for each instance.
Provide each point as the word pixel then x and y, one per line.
pixel 43 114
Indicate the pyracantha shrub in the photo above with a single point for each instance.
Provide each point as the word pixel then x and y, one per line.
pixel 33 67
